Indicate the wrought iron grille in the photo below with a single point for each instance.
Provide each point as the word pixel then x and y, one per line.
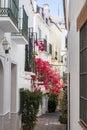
pixel 27 58
pixel 11 11
pixel 30 48
pixel 29 62
pixel 83 74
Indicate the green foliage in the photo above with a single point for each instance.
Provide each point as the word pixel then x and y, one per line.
pixel 63 107
pixel 29 106
pixel 52 102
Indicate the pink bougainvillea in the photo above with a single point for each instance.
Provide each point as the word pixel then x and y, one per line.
pixel 45 73
pixel 40 45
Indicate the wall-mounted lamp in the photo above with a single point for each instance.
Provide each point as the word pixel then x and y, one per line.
pixel 6 46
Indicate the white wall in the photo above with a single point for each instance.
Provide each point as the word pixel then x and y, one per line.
pixel 45 31
pixel 74 9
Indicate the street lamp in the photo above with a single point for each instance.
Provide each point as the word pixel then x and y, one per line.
pixel 6 46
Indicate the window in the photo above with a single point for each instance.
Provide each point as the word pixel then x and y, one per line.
pixel 62 59
pixel 56 55
pixel 45 42
pixel 39 32
pixel 50 48
pixel 66 43
pixel 83 74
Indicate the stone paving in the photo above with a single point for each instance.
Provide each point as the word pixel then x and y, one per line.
pixel 49 121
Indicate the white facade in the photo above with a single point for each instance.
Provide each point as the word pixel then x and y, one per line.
pixel 43 33
pixel 56 41
pixel 64 53
pixel 73 9
pixel 12 64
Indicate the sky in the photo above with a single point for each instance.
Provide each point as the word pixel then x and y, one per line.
pixel 56 6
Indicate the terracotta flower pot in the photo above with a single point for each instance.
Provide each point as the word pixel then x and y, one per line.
pixel 25 127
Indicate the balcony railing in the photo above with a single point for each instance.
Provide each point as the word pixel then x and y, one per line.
pixel 10 10
pixel 23 23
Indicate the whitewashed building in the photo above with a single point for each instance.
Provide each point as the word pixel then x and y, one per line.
pixel 20 25
pixel 14 25
pixel 56 40
pixel 41 30
pixel 76 24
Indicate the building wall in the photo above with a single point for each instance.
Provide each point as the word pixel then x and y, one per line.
pixel 12 76
pixel 73 41
pixel 56 41
pixel 39 23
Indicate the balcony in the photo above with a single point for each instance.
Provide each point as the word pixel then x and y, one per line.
pixel 22 36
pixel 9 15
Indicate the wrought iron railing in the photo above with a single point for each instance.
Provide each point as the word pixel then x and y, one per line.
pixel 30 58
pixel 11 10
pixel 27 58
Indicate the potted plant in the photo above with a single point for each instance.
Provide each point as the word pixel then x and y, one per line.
pixel 63 109
pixel 29 107
pixel 52 102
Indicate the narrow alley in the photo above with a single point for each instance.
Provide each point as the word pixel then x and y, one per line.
pixel 49 121
pixel 43 64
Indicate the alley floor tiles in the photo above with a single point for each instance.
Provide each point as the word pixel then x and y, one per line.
pixel 49 121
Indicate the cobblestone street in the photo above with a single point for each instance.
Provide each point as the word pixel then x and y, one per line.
pixel 49 121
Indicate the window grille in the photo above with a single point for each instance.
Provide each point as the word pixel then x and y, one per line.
pixel 83 74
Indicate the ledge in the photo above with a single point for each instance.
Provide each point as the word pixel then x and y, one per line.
pixel 82 125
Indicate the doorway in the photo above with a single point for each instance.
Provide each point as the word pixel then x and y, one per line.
pixel 13 88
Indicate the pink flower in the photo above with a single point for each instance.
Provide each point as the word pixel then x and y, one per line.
pixel 50 77
pixel 36 43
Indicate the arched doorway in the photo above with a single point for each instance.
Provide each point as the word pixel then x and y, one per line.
pixel 1 87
